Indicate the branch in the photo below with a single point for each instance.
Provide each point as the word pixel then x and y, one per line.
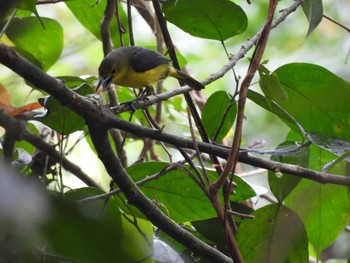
pixel 219 74
pixel 135 197
pixel 98 120
pixel 250 44
pixel 223 152
pixel 92 112
pixel 105 34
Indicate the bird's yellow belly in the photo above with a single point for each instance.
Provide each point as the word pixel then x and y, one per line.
pixel 140 80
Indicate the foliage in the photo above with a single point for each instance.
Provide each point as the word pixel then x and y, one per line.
pixel 175 155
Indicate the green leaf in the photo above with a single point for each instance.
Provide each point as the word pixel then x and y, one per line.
pixel 212 229
pixel 28 147
pixel 45 45
pixel 108 214
pixel 217 105
pixel 243 190
pixel 317 100
pixel 313 10
pixel 275 235
pixel 61 118
pixel 71 229
pixel 282 185
pixel 324 208
pixel 91 14
pixel 171 189
pixel 92 231
pixel 30 5
pixel 270 86
pixel 272 107
pixel 212 19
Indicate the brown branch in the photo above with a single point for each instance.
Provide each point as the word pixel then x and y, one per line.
pixel 99 120
pixel 98 117
pixel 105 33
pixel 146 206
pixel 337 23
pixel 95 113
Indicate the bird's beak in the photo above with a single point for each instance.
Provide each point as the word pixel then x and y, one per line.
pixel 104 82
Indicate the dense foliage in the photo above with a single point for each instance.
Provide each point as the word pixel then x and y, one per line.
pixel 183 178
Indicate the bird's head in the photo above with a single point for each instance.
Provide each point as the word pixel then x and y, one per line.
pixel 107 70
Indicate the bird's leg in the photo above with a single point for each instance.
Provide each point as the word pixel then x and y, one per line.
pixel 143 95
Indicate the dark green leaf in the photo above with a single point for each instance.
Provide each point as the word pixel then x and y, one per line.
pixel 217 105
pixel 275 235
pixel 212 229
pixel 282 184
pixel 213 19
pixel 133 245
pixel 91 14
pixel 61 118
pixel 92 231
pixel 28 35
pixel 313 10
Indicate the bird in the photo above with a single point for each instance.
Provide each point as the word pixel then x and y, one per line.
pixel 138 67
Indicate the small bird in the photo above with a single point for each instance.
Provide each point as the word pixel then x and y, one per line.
pixel 138 68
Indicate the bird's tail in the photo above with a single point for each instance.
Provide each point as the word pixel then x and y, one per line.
pixel 186 79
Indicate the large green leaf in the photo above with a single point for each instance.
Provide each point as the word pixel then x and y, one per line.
pixel 275 235
pixel 90 14
pixel 317 99
pixel 29 36
pixel 171 189
pixel 216 123
pixel 61 118
pixel 282 185
pixel 324 208
pixel 313 10
pixel 213 19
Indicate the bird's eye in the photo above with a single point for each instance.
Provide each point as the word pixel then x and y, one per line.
pixel 114 71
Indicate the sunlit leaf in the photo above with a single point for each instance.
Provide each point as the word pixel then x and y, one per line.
pixel 44 44
pixel 213 19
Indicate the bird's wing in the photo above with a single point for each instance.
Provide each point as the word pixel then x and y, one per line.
pixel 145 59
